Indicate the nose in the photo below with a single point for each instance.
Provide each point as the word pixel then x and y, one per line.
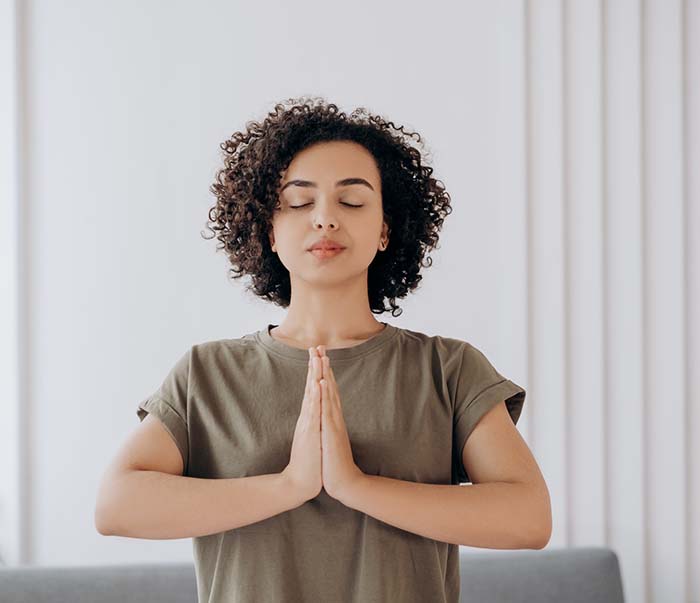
pixel 323 216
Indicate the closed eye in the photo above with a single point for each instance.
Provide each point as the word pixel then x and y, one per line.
pixel 342 203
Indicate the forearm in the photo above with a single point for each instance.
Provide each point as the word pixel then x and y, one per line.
pixel 162 506
pixel 494 515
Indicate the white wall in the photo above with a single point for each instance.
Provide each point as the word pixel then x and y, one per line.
pixel 565 133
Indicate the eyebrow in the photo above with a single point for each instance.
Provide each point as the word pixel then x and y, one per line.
pixel 343 182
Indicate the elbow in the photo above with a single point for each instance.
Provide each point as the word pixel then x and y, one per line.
pixel 540 530
pixel 536 539
pixel 105 509
pixel 546 532
pixel 100 525
pixel 103 520
pixel 544 539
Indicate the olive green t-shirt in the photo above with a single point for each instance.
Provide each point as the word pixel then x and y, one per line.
pixel 409 401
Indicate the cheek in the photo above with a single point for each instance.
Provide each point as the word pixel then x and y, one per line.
pixel 367 236
pixel 287 232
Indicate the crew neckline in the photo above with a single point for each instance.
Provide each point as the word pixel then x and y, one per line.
pixel 264 337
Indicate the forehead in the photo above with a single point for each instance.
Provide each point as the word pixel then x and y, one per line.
pixel 327 162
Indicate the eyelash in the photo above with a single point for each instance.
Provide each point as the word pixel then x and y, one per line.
pixel 305 204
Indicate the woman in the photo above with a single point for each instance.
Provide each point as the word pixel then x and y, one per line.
pixel 363 425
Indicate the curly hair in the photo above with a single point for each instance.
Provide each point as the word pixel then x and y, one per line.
pixel 414 204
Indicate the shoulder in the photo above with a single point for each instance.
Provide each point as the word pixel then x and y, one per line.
pixel 216 356
pixel 440 343
pixel 446 350
pixel 216 347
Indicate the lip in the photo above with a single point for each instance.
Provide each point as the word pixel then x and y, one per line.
pixel 326 252
pixel 326 245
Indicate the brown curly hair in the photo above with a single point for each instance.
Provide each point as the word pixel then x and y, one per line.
pixel 414 204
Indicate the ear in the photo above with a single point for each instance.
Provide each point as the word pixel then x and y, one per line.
pixel 386 231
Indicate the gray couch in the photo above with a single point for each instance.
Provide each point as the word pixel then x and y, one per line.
pixel 558 575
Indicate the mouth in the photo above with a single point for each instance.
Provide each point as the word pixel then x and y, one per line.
pixel 326 252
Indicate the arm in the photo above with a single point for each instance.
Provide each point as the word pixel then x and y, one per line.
pixel 496 515
pixel 144 494
pixel 506 507
pixel 162 506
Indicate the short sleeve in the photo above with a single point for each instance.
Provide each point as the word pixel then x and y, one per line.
pixel 479 388
pixel 169 404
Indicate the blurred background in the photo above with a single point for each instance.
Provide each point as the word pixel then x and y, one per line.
pixel 567 133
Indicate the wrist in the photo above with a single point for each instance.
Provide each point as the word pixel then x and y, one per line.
pixel 290 490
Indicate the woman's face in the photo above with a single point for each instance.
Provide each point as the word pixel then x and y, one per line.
pixel 314 205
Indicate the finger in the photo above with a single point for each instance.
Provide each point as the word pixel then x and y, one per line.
pixel 309 380
pixel 317 374
pixel 330 377
pixel 308 390
pixel 319 355
pixel 326 367
pixel 322 370
pixel 311 365
pixel 322 360
pixel 318 368
pixel 326 399
pixel 327 363
pixel 336 391
pixel 316 406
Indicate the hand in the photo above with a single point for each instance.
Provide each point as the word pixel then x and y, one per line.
pixel 304 468
pixel 339 468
